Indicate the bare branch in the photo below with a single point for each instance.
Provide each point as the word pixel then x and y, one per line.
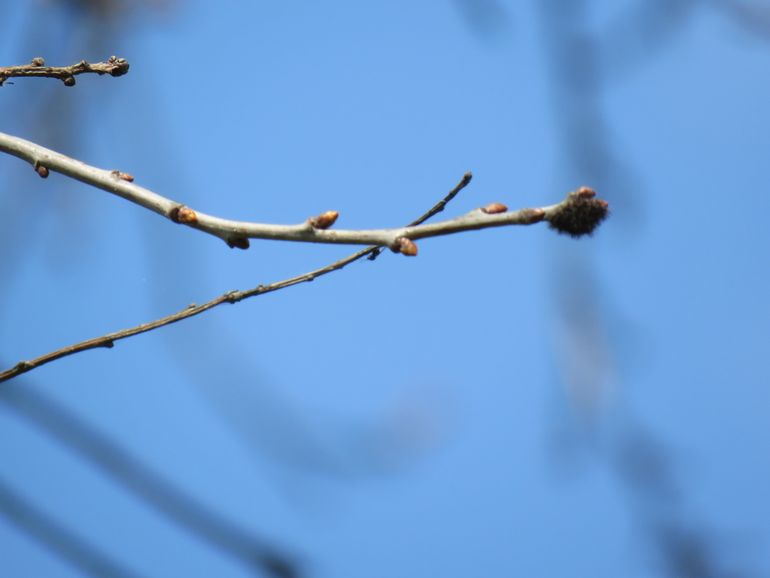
pixel 229 297
pixel 577 215
pixel 114 67
pixel 313 230
pixel 57 537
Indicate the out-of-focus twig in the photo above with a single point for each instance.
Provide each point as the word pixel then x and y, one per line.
pixel 19 511
pixel 114 66
pixel 754 16
pixel 210 526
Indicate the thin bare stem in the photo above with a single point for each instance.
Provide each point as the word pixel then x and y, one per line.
pixel 238 233
pixel 114 67
pixel 229 297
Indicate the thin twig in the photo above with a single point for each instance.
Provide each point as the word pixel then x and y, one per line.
pixel 260 554
pixel 58 538
pixel 114 67
pixel 238 233
pixel 229 297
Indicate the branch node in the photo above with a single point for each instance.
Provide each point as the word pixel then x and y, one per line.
pixel 494 208
pixel 187 216
pixel 580 213
pixel 324 220
pixel 233 296
pixel 375 253
pixel 404 246
pixel 108 343
pixel 531 216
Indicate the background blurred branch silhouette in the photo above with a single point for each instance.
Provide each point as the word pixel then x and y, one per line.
pixel 368 451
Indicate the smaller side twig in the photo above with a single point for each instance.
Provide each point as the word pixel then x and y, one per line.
pixel 114 67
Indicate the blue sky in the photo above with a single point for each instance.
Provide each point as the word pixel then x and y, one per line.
pixel 473 411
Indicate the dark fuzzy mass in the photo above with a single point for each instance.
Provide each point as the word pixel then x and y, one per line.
pixel 580 216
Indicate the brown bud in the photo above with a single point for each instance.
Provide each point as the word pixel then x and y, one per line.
pixel 532 215
pixel 69 81
pixel 123 176
pixel 186 216
pixel 405 247
pixel 324 220
pixel 38 61
pixel 41 170
pixel 182 214
pixel 238 243
pixel 494 208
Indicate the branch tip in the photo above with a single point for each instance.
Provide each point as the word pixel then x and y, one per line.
pixel 494 208
pixel 580 214
pixel 584 192
pixel 120 66
pixel 324 220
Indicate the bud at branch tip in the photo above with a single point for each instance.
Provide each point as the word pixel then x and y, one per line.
pixel 580 213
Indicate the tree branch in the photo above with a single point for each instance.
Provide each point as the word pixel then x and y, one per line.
pixel 313 230
pixel 229 297
pixel 568 216
pixel 114 67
